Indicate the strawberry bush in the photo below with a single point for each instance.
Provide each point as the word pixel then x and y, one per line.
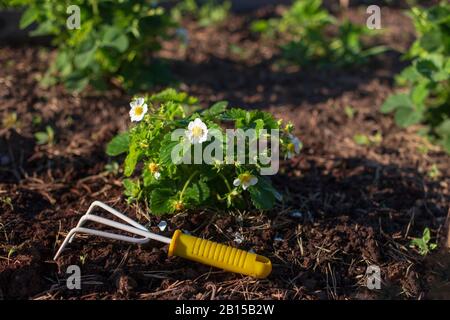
pixel 115 40
pixel 306 25
pixel 425 95
pixel 169 185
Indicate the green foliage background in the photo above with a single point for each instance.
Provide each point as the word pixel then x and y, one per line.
pixel 116 39
pixel 425 96
pixel 308 24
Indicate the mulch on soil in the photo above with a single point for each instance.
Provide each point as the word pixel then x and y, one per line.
pixel 358 205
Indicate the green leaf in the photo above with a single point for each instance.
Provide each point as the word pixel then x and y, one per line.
pixel 84 59
pixel 118 145
pixel 43 29
pixel 263 194
pixel 410 74
pixel 235 114
pixel 171 94
pixel 131 160
pixel 426 67
pixel 374 51
pixel 216 109
pixel 426 235
pixel 41 137
pixel 76 81
pixel 405 117
pixel 115 38
pixel 431 41
pixel 259 26
pixel 162 201
pixel 419 93
pixel 28 17
pixel 361 139
pixel 197 193
pixel 62 60
pixel 132 189
pixel 444 128
pixel 165 152
pixel 48 136
pixel 396 101
pixel 445 142
pixel 418 242
pixel 259 125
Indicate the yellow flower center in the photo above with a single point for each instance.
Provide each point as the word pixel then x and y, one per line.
pixel 138 110
pixel 179 206
pixel 153 167
pixel 245 178
pixel 197 131
pixel 291 147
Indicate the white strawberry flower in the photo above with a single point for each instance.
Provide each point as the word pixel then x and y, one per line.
pixel 197 131
pixel 138 109
pixel 294 146
pixel 245 180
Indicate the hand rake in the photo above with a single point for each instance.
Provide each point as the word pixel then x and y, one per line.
pixel 182 245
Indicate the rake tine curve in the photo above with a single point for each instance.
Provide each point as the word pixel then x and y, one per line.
pixel 132 227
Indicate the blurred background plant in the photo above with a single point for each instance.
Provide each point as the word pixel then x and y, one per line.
pixel 116 41
pixel 309 28
pixel 426 80
pixel 209 12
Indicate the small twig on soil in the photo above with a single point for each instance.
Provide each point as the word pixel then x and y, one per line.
pixel 411 222
pixel 57 235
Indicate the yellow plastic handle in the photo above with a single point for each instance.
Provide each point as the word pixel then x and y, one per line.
pixel 219 255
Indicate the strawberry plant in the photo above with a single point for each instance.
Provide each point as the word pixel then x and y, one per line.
pixel 165 135
pixel 423 245
pixel 426 98
pixel 114 40
pixel 307 26
pixel 207 12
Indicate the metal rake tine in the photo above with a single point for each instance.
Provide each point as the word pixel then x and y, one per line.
pixel 110 210
pixel 133 227
pixel 99 233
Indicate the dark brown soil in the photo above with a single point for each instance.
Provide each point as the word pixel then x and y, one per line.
pixel 359 205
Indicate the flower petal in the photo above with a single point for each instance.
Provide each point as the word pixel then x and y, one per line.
pixel 253 180
pixel 237 182
pixel 202 125
pixel 203 138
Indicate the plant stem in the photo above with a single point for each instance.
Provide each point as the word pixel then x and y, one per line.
pixel 94 7
pixel 226 182
pixel 188 181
